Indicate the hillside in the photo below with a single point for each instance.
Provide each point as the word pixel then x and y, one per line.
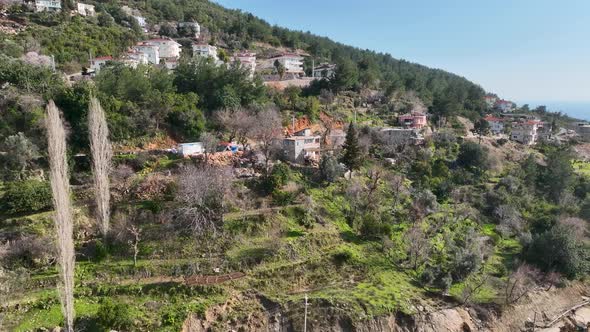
pixel 402 211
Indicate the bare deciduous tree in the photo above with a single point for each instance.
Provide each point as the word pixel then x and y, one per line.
pixel 417 242
pixel 520 283
pixel 267 132
pixel 239 123
pixel 135 231
pixel 100 147
pixel 578 226
pixel 473 286
pixel 200 198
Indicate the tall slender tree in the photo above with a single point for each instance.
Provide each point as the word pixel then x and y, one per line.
pixel 100 147
pixel 352 156
pixel 58 166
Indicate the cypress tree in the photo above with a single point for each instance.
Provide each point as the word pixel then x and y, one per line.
pixel 352 156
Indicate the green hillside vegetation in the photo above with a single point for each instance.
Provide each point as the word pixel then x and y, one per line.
pixel 449 222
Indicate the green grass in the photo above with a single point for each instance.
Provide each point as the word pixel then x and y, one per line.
pixel 52 316
pixel 383 293
pixel 581 167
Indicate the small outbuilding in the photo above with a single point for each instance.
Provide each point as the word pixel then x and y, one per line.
pixel 190 149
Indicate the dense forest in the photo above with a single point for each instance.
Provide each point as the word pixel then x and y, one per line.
pixel 378 233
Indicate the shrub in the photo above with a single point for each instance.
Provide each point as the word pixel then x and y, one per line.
pixel 114 315
pixel 330 168
pixel 283 198
pixel 26 197
pixel 559 249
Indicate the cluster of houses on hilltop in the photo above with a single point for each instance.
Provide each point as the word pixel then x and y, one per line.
pixel 166 51
pixel 501 105
pixel 158 51
pixel 524 129
pixel 55 6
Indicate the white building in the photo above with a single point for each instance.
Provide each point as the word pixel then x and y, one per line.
pixel 505 106
pixel 525 132
pixel 48 5
pixel 193 26
pixel 96 64
pixel 246 60
pixel 205 51
pixel 496 124
pixel 85 9
pixel 302 146
pixel 134 59
pixel 293 63
pixel 167 47
pixel 190 149
pixel 151 51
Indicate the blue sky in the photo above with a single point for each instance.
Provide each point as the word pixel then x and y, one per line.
pixel 524 50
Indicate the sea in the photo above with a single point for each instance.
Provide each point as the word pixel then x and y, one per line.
pixel 578 110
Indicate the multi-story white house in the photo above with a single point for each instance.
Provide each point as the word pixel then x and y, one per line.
pixel 293 63
pixel 246 60
pixel 205 51
pixel 97 63
pixel 525 132
pixel 167 47
pixel 496 124
pixel 151 51
pixel 48 5
pixel 302 146
pixel 134 58
pixel 85 9
pixel 504 106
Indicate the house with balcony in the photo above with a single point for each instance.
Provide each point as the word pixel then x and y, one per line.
pixel 302 146
pixel 97 63
pixel 151 51
pixel 47 5
pixel 525 132
pixel 205 51
pixel 246 60
pixel 496 124
pixel 167 47
pixel 414 120
pixel 504 106
pixel 134 58
pixel 293 63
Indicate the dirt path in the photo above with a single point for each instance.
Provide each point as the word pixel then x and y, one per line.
pixel 547 304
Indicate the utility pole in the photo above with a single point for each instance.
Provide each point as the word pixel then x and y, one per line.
pixel 305 316
pixel 312 68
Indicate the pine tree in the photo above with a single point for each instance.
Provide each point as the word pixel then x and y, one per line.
pixel 352 156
